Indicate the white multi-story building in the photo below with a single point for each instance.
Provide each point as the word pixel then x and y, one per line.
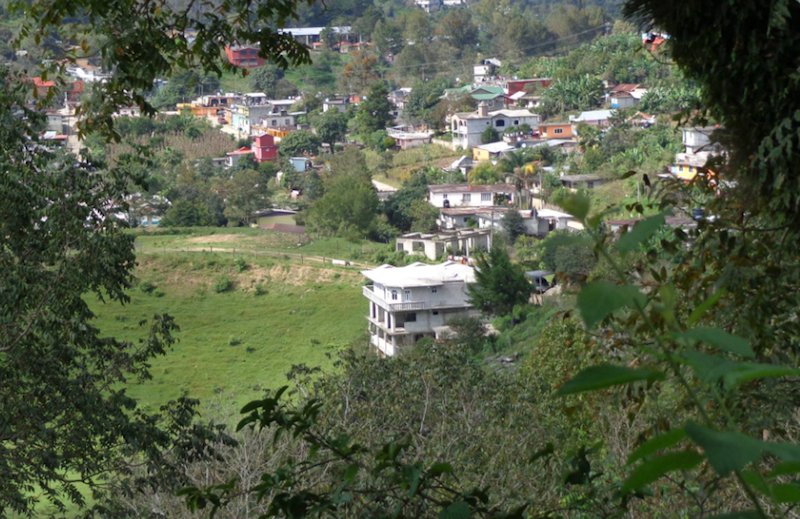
pixel 468 127
pixel 409 303
pixel 468 195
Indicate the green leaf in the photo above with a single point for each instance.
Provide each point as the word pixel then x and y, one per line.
pixel 654 468
pixel 576 205
pixel 350 472
pixel 750 371
pixel 785 493
pixel 703 307
pixel 755 480
pixel 660 442
pixel 252 406
pixel 642 231
pixel 601 298
pixel 785 468
pixel 457 510
pixel 726 451
pixel 606 375
pixel 719 339
pixel 628 174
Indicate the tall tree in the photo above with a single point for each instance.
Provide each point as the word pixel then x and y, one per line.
pixel 331 127
pixel 500 285
pixel 374 113
pixel 299 143
pixel 65 417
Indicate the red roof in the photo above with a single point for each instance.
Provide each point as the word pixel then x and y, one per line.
pixel 625 87
pixel 241 151
pixel 41 83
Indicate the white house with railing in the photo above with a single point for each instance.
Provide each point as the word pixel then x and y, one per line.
pixel 416 301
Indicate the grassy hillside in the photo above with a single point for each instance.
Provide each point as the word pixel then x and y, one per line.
pixel 255 241
pixel 275 314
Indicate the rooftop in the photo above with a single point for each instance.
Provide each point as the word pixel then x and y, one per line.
pixel 496 147
pixel 421 275
pixel 241 151
pixel 470 188
pixel 592 115
pixel 625 87
pixel 580 178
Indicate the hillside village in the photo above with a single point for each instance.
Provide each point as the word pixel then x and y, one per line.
pixel 508 156
pixel 450 258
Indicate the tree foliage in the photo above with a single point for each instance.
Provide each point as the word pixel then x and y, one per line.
pixel 500 285
pixel 66 417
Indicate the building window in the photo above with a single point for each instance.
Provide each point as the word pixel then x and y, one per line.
pixel 287 122
pixel 486 197
pixel 500 123
pixel 408 295
pixel 411 318
pixel 435 312
pixel 558 130
pixel 434 290
pixel 444 196
pixel 516 122
pixel 274 122
pixel 394 295
pixel 466 197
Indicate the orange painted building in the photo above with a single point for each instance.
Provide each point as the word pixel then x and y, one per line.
pixel 556 130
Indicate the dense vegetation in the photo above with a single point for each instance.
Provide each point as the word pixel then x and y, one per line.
pixel 661 383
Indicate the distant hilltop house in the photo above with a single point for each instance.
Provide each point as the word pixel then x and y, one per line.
pixel 557 130
pixel 87 73
pixel 625 95
pixel 433 6
pixel 700 147
pixel 244 56
pixel 535 222
pixel 485 69
pixel 467 195
pixel 467 127
pixel 406 138
pixel 265 149
pixel 338 103
pixel 492 96
pixel 416 301
pixel 493 151
pixel 600 118
pixel 311 35
pixel 211 105
pixel 257 113
pixel 459 242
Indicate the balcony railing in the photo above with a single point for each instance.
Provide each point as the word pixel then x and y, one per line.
pixel 392 307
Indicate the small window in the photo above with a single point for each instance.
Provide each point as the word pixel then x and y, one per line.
pixel 274 122
pixel 287 122
pixel 394 295
pixel 444 196
pixel 516 122
pixel 411 318
pixel 434 290
pixel 466 197
pixel 486 197
pixel 558 130
pixel 408 295
pixel 500 123
pixel 435 312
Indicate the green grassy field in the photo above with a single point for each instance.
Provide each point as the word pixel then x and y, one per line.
pixel 249 241
pixel 237 342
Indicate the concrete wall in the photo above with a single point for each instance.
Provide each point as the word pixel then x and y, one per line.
pixel 457 200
